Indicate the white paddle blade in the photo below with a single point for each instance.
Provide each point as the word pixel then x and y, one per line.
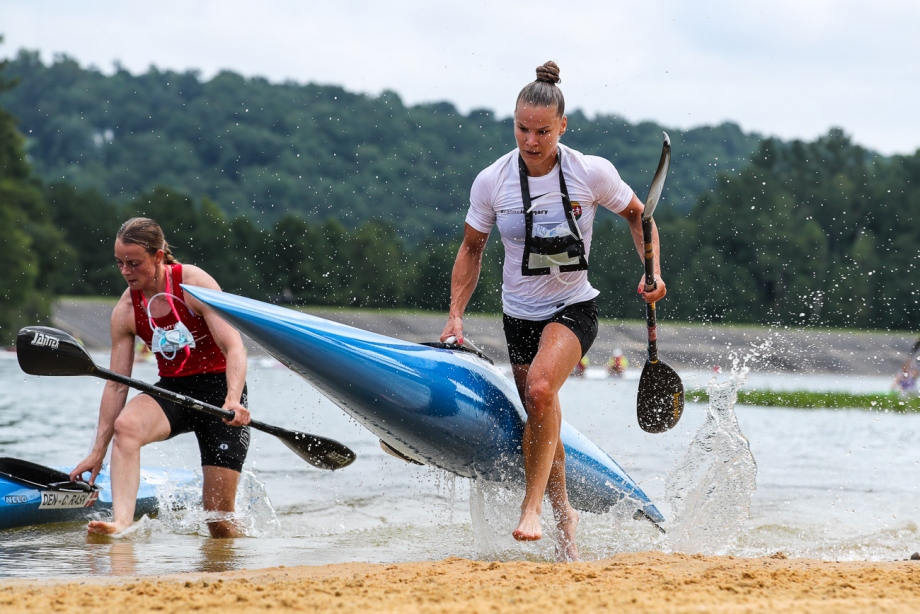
pixel 654 192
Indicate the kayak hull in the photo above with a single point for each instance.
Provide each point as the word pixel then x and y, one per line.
pixel 32 494
pixel 440 407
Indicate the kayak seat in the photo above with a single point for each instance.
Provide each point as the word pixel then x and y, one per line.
pixel 394 452
pixel 470 349
pixel 35 475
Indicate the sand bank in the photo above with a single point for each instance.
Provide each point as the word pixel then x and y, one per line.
pixel 640 582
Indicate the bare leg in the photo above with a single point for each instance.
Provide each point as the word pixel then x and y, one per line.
pixel 565 515
pixel 219 495
pixel 544 456
pixel 142 421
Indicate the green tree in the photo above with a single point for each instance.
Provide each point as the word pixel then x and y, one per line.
pixel 36 260
pixel 262 150
pixel 88 222
pixel 761 255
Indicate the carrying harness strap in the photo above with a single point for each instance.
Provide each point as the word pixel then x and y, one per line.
pixel 582 264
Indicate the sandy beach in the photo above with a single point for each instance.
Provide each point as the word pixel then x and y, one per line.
pixel 634 582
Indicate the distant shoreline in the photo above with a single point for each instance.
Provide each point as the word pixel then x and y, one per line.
pixel 692 347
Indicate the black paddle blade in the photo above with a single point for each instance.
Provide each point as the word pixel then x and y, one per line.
pixel 42 350
pixel 321 452
pixel 661 398
pixel 48 351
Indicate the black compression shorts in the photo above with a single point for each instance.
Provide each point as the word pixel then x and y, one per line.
pixel 523 336
pixel 220 445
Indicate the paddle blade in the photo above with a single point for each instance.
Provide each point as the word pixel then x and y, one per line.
pixel 48 351
pixel 661 398
pixel 654 191
pixel 321 452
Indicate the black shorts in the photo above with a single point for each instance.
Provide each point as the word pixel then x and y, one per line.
pixel 221 445
pixel 523 336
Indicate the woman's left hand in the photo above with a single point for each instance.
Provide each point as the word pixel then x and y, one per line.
pixel 653 295
pixel 241 414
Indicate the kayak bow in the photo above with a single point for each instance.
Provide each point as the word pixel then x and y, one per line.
pixel 430 405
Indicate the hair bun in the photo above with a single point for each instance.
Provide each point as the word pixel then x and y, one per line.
pixel 549 73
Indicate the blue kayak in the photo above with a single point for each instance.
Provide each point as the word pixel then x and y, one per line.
pixel 32 494
pixel 436 406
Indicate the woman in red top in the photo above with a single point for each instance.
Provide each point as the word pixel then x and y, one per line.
pixel 198 354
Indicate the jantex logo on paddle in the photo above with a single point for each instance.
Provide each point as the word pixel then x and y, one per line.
pixel 43 340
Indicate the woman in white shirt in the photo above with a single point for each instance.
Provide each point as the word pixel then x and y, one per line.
pixel 543 197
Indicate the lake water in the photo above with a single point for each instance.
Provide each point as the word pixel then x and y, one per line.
pixel 830 484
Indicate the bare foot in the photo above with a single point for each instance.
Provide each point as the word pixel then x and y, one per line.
pixel 528 529
pixel 566 549
pixel 104 528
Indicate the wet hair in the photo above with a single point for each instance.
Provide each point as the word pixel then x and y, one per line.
pixel 543 92
pixel 147 233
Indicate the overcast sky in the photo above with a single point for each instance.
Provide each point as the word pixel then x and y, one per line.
pixel 790 68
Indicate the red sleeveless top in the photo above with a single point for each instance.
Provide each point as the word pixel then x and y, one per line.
pixel 205 357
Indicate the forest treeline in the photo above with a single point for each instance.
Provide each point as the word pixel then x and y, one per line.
pixel 262 149
pixel 816 233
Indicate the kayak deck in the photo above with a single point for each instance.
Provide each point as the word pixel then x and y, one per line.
pixel 434 405
pixel 33 494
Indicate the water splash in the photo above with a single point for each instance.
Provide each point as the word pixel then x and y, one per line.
pixel 180 509
pixel 254 510
pixel 710 490
pixel 495 509
pixel 176 495
pixel 444 480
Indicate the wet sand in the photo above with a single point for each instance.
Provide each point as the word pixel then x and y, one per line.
pixel 634 582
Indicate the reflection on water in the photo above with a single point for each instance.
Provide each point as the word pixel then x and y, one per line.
pixel 122 561
pixel 219 555
pixel 68 550
pixel 831 484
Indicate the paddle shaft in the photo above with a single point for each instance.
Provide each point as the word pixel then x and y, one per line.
pixel 650 284
pixel 318 451
pixel 660 398
pixel 48 351
pixel 181 399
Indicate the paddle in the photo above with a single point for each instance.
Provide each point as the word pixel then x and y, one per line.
pixel 48 351
pixel 660 401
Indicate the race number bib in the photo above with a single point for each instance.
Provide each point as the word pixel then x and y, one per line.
pixel 58 500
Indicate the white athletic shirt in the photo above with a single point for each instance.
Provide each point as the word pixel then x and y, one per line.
pixel 496 198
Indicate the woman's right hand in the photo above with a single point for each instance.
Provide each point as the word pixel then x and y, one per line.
pixel 454 328
pixel 92 463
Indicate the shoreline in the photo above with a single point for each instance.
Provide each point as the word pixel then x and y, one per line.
pixel 634 582
pixel 685 347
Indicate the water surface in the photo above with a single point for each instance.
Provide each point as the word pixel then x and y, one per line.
pixel 831 484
